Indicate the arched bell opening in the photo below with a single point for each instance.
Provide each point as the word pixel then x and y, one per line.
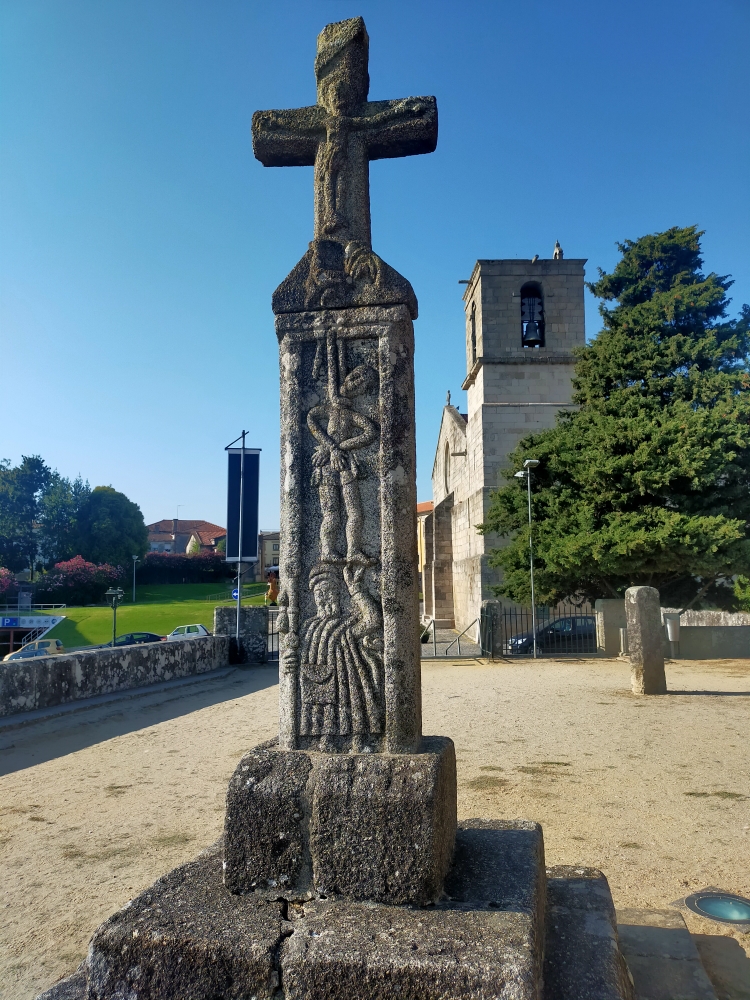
pixel 473 332
pixel 447 467
pixel 532 315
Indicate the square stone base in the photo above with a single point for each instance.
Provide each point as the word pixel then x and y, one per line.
pixel 378 827
pixel 502 930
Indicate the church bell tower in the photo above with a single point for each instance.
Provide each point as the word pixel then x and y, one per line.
pixel 523 320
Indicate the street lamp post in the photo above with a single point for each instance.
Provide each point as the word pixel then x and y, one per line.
pixel 115 594
pixel 528 465
pixel 135 560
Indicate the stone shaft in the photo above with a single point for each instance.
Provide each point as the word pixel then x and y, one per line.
pixel 371 826
pixel 645 634
pixel 349 671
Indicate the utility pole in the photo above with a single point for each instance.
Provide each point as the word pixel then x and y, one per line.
pixel 528 465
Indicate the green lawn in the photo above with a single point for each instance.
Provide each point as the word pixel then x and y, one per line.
pixel 157 609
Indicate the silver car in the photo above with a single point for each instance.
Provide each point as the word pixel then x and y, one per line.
pixel 188 632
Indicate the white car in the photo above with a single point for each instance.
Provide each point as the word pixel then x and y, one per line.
pixel 188 632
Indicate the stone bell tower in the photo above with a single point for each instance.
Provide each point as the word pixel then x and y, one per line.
pixel 523 319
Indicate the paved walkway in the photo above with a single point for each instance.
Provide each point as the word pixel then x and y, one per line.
pixel 97 804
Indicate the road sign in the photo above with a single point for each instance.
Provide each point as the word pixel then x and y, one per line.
pixel 235 594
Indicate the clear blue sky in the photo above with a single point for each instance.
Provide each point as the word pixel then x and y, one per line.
pixel 140 241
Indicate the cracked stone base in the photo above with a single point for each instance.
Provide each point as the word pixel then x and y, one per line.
pixel 188 938
pixel 377 827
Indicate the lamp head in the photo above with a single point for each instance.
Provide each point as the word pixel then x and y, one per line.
pixel 531 463
pixel 520 475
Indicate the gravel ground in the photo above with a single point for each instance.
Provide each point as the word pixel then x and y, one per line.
pixel 95 805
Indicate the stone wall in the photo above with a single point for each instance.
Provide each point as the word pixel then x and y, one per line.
pixel 47 681
pixel 704 635
pixel 253 631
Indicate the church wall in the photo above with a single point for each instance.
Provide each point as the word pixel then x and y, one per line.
pixel 512 392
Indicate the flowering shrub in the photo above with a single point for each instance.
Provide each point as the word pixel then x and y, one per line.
pixel 172 567
pixel 77 582
pixel 7 583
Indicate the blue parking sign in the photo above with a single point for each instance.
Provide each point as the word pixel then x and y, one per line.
pixel 9 623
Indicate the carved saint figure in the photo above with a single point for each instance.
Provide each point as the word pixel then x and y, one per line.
pixel 341 660
pixel 341 431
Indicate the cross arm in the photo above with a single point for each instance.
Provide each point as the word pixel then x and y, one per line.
pixel 400 128
pixel 288 138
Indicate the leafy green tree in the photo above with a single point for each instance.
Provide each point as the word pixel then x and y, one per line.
pixel 648 481
pixel 21 490
pixel 110 528
pixel 59 508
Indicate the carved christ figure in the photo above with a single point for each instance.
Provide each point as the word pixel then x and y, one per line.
pixel 343 132
pixel 340 431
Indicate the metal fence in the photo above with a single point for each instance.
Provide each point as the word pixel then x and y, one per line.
pixel 565 630
pixel 273 635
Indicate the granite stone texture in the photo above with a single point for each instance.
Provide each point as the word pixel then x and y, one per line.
pixel 46 681
pixel 661 956
pixel 504 930
pixel 645 638
pixel 484 939
pixel 582 958
pixel 71 988
pixel 349 657
pixel 186 937
pixel 339 135
pixel 361 826
pixel 253 631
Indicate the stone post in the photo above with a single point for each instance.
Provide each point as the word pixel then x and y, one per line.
pixel 645 634
pixel 253 631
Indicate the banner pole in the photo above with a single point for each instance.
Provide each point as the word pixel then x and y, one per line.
pixel 239 563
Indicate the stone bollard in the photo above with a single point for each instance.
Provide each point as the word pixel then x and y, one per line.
pixel 645 640
pixel 253 632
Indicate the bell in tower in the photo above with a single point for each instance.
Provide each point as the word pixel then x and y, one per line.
pixel 532 316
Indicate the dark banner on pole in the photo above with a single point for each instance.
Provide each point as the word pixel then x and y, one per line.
pixel 249 505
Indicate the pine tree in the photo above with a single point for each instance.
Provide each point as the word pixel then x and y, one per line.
pixel 648 480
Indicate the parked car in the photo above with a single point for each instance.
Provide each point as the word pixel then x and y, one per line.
pixel 40 647
pixel 188 632
pixel 136 638
pixel 574 635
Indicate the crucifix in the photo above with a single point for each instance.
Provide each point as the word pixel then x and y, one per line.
pixel 342 132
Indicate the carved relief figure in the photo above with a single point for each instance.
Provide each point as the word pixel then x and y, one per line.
pixel 341 660
pixel 340 432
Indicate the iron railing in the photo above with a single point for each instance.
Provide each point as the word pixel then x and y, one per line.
pixel 568 629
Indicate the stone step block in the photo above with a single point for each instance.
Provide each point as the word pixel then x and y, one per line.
pixel 582 958
pixel 662 956
pixel 361 826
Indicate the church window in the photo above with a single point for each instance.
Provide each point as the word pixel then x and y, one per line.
pixel 532 315
pixel 447 467
pixel 473 322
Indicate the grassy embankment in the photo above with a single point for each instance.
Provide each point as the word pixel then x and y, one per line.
pixel 157 609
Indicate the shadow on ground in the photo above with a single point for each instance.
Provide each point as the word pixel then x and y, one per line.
pixel 27 742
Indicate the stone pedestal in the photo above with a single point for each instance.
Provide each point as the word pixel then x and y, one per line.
pixel 504 928
pixel 645 635
pixel 361 826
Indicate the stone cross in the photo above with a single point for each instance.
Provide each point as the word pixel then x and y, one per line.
pixel 349 656
pixel 342 132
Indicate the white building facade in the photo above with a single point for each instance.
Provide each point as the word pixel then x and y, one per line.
pixel 523 320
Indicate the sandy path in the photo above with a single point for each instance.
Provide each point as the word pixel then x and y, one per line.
pixel 654 791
